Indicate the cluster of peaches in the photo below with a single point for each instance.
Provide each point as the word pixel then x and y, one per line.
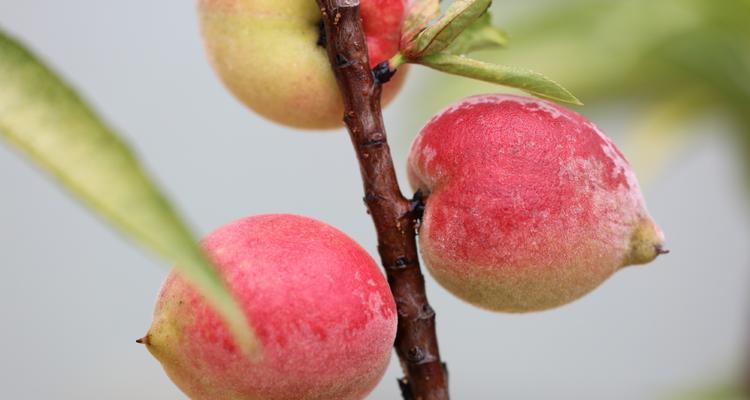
pixel 528 207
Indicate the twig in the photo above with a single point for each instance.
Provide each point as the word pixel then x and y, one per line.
pixel 392 213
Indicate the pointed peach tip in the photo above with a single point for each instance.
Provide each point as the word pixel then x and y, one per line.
pixel 646 243
pixel 143 340
pixel 660 250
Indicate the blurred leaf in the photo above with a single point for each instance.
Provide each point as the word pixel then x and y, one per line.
pixel 480 35
pixel 605 50
pixel 718 392
pixel 43 118
pixel 418 16
pixel 528 81
pixel 658 134
pixel 436 37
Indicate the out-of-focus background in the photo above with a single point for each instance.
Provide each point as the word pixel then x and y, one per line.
pixel 668 79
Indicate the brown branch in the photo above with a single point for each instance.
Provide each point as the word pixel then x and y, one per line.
pixel 392 213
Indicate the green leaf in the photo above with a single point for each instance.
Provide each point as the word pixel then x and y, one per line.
pixel 45 119
pixel 418 16
pixel 529 81
pixel 480 35
pixel 436 37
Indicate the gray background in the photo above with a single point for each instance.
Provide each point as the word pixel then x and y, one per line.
pixel 74 296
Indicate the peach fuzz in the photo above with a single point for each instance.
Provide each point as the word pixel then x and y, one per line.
pixel 267 53
pixel 321 309
pixel 530 206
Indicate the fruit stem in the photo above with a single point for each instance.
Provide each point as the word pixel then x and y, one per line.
pixel 392 213
pixel 396 61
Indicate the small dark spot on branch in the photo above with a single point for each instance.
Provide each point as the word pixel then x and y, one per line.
pixel 371 197
pixel 342 62
pixel 375 140
pixel 401 263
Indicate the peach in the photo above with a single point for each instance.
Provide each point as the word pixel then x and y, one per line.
pixel 269 54
pixel 530 206
pixel 321 309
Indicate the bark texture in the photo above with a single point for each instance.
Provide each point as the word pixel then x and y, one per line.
pixel 394 215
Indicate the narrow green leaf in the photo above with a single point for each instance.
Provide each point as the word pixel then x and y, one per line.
pixel 436 37
pixel 529 81
pixel 418 16
pixel 45 119
pixel 480 35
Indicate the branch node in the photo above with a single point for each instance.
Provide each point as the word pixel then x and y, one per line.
pixel 383 72
pixel 375 140
pixel 427 312
pixel 417 204
pixel 415 355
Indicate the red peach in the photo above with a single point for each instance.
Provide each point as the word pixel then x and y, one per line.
pixel 268 54
pixel 321 309
pixel 530 206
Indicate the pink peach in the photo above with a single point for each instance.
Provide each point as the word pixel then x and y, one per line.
pixel 530 206
pixel 321 309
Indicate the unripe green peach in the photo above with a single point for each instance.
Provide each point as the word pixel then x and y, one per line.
pixel 322 311
pixel 269 55
pixel 530 206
